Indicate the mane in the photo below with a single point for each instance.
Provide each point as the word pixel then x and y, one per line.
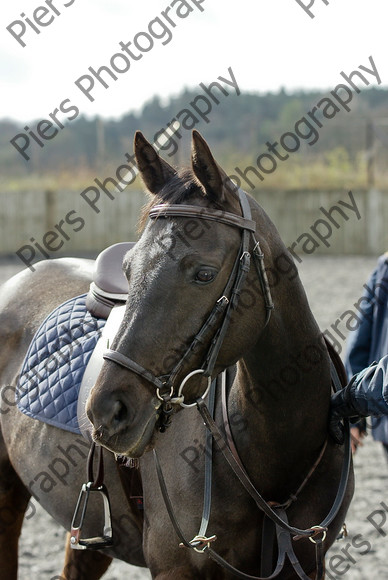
pixel 182 188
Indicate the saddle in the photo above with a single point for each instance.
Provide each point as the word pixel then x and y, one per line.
pixel 109 286
pixel 65 355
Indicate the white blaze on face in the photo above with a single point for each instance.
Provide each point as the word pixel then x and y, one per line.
pixel 163 243
pixel 151 257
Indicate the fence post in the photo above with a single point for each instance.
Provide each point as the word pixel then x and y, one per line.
pixel 50 209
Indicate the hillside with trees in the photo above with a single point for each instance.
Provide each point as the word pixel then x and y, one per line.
pixel 349 147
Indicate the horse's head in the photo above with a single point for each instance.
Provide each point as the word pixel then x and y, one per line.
pixel 185 275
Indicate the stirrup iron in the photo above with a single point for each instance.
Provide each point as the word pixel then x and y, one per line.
pixel 95 543
pixel 93 486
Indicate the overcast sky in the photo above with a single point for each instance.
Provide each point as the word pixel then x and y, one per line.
pixel 268 44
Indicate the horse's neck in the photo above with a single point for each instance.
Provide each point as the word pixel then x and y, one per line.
pixel 282 391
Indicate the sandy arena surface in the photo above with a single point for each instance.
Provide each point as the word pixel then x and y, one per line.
pixel 333 285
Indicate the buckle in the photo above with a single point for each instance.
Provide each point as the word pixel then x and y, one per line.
pixel 98 542
pixel 318 530
pixel 200 543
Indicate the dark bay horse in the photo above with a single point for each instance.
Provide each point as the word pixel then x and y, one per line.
pixel 186 261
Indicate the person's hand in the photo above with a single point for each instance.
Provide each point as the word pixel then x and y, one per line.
pixel 356 437
pixel 341 406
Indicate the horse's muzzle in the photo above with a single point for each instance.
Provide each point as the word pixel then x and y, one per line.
pixel 118 426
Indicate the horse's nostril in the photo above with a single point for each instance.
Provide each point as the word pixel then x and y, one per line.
pixel 119 412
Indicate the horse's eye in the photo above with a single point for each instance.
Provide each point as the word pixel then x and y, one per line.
pixel 205 275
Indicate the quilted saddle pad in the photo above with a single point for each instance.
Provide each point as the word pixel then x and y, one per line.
pixel 54 365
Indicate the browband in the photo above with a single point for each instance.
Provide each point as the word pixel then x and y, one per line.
pixel 231 219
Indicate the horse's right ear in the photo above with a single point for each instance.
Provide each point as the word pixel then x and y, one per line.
pixel 212 177
pixel 205 167
pixel 154 171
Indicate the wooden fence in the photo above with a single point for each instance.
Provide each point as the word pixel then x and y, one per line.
pixel 62 223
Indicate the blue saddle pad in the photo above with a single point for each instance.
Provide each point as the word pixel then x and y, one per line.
pixel 54 365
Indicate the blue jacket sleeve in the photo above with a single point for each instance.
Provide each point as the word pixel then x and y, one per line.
pixel 369 390
pixel 358 351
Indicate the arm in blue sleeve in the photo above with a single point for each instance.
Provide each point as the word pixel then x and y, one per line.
pixel 369 389
pixel 359 341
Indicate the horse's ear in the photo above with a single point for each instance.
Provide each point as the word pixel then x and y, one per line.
pixel 206 169
pixel 153 169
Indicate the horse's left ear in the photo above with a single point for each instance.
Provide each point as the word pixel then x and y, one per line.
pixel 154 170
pixel 206 169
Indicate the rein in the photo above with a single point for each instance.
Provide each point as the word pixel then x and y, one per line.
pixel 274 512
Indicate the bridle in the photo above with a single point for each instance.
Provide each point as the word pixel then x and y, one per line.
pixel 213 333
pixel 214 329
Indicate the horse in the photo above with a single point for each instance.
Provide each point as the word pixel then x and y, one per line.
pixel 212 292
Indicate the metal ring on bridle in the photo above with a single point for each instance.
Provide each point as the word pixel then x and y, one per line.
pixel 187 378
pixel 319 530
pixel 160 396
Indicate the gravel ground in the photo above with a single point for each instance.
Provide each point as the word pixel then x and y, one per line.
pixel 332 285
